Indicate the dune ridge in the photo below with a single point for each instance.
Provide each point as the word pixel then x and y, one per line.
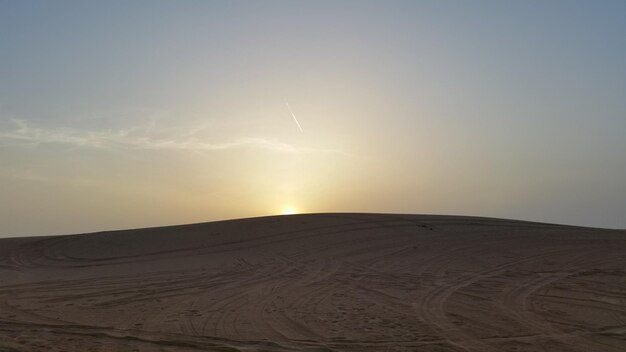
pixel 318 282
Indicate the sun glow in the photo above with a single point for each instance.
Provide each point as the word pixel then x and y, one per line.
pixel 289 211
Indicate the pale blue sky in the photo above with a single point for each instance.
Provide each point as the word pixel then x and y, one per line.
pixel 119 114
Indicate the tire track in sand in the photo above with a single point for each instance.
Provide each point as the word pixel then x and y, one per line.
pixel 431 307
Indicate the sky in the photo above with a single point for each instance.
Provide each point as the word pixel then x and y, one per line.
pixel 125 114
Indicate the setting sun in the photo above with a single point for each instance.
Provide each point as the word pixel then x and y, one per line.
pixel 289 211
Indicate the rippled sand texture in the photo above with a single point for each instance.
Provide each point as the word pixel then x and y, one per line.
pixel 327 282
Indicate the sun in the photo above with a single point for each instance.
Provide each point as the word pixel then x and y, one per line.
pixel 289 211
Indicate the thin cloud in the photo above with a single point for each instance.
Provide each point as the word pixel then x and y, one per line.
pixel 22 174
pixel 136 139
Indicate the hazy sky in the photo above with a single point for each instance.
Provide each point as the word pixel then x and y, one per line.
pixel 117 114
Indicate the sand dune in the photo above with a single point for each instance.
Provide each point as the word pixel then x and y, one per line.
pixel 323 282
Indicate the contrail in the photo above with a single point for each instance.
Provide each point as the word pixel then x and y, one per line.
pixel 293 115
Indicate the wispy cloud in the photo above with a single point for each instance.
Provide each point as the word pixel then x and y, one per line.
pixel 142 138
pixel 21 174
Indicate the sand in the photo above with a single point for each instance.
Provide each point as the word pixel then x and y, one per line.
pixel 322 282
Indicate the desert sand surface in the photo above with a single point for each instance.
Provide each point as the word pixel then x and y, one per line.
pixel 318 282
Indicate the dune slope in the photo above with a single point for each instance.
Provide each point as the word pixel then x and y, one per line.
pixel 319 282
